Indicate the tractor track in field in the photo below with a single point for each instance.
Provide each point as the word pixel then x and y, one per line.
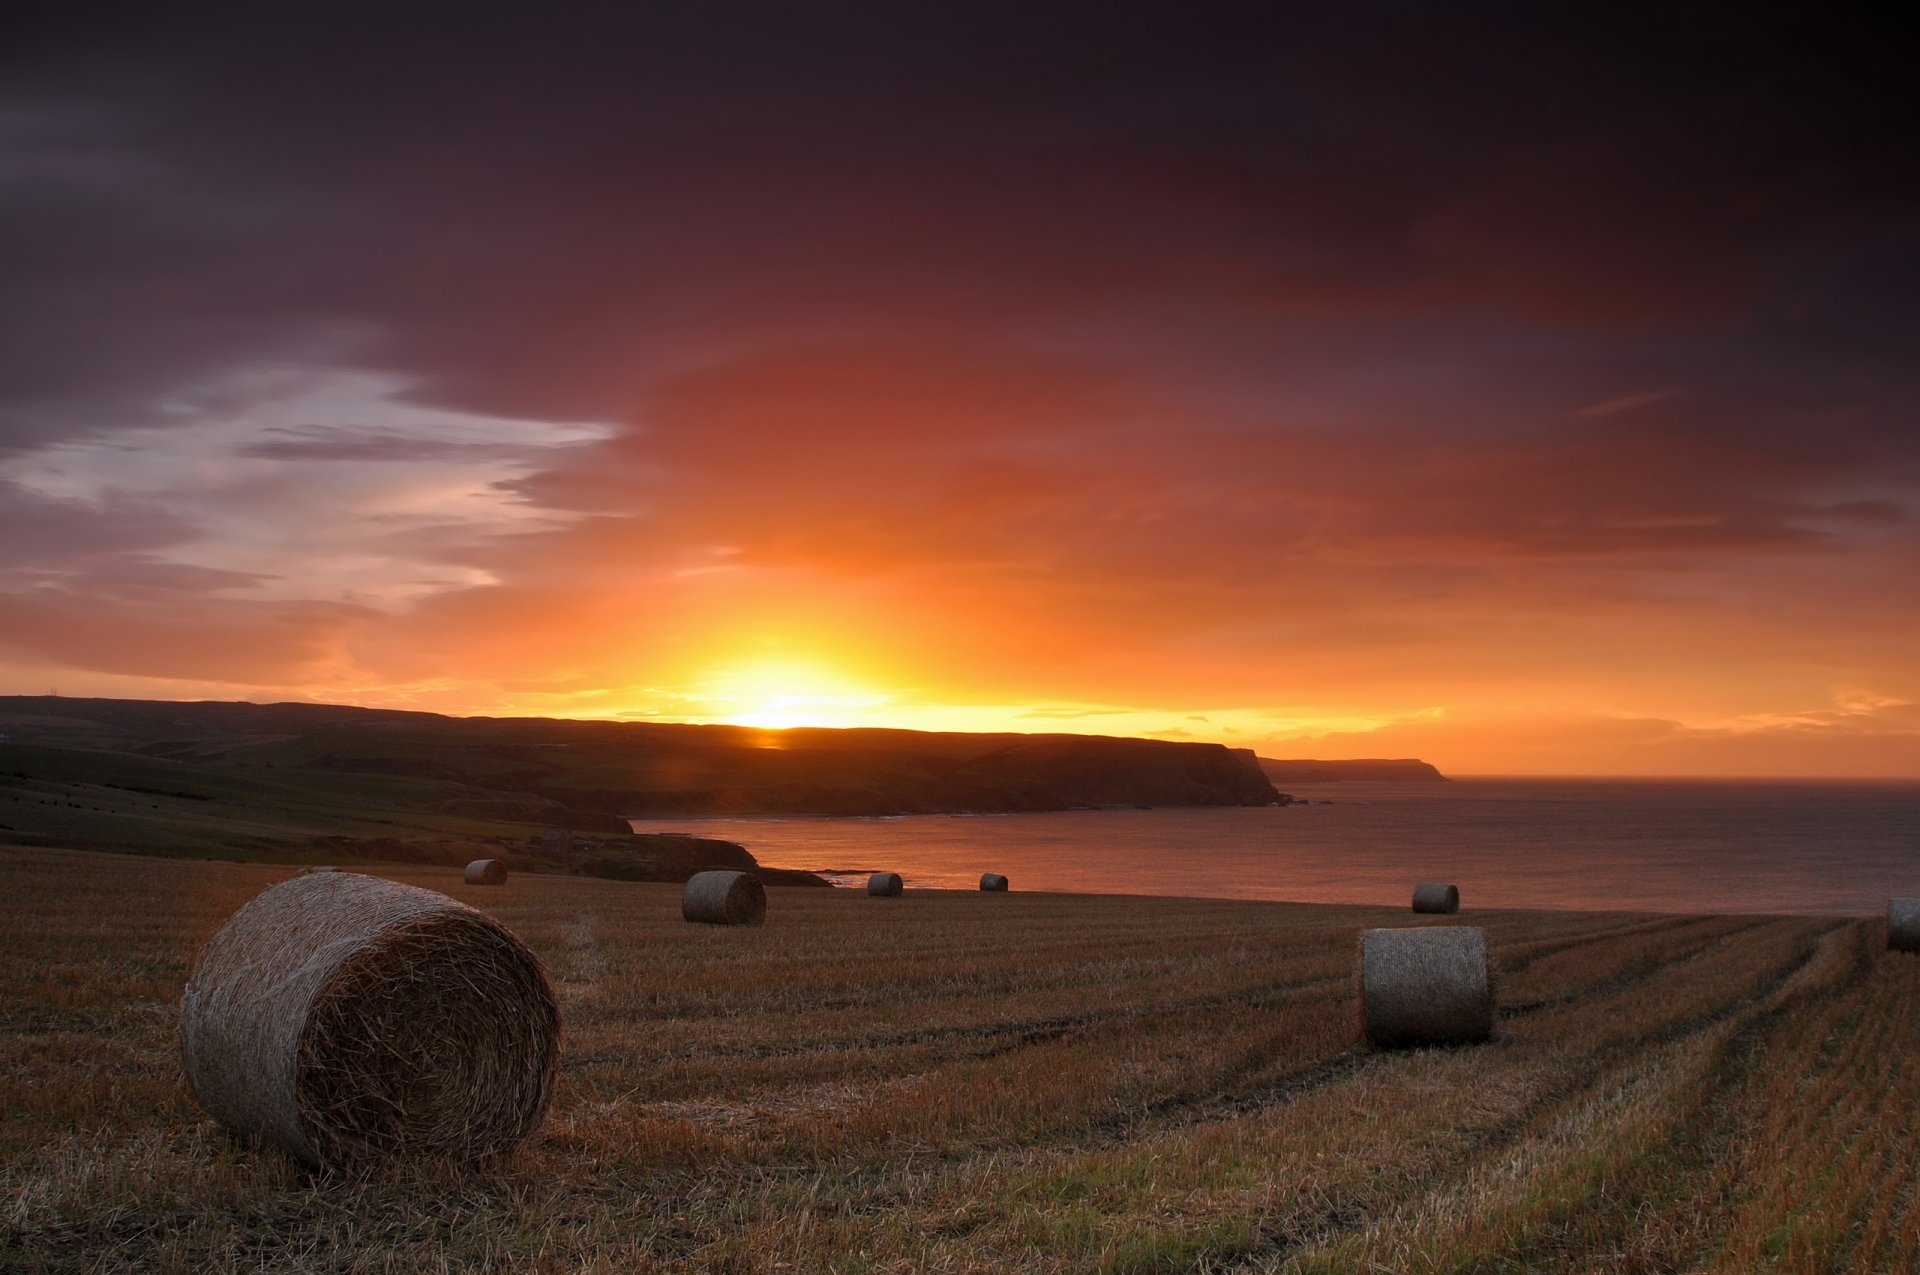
pixel 1704 946
pixel 1175 1111
pixel 1227 1096
pixel 1002 1037
pixel 983 1042
pixel 1580 1077
pixel 1517 957
pixel 1571 1080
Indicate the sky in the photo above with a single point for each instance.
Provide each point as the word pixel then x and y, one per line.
pixel 1528 389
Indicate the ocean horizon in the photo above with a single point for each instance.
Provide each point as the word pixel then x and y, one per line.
pixel 1818 847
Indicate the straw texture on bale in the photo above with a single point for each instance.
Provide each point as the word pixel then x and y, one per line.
pixel 345 1019
pixel 1903 925
pixel 724 898
pixel 993 881
pixel 885 884
pixel 486 872
pixel 1428 986
pixel 1434 896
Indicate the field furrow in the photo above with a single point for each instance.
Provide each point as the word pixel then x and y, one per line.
pixel 1049 1083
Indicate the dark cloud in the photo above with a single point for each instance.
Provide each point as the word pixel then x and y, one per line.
pixel 136 576
pixel 350 444
pixel 537 212
pixel 51 532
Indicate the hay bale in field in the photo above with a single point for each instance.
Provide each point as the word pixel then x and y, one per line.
pixel 724 898
pixel 486 872
pixel 1903 925
pixel 325 868
pixel 344 1018
pixel 1434 896
pixel 1432 985
pixel 886 885
pixel 993 881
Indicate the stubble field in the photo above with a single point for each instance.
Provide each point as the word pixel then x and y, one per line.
pixel 966 1082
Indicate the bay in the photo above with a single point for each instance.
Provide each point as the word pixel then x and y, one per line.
pixel 1638 845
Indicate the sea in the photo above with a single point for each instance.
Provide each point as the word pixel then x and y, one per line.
pixel 1610 844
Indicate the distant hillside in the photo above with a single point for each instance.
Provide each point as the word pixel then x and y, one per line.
pixel 590 775
pixel 89 798
pixel 1396 770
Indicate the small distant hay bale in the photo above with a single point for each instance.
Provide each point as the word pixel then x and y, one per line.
pixel 724 898
pixel 1434 896
pixel 323 868
pixel 486 872
pixel 885 885
pixel 1903 925
pixel 1432 985
pixel 348 1019
pixel 993 881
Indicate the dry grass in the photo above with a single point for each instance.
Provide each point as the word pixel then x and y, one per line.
pixel 1033 1082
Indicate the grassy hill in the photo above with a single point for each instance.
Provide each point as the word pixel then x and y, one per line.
pixel 95 799
pixel 964 1082
pixel 583 772
pixel 297 783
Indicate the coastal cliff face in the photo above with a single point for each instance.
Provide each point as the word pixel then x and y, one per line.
pixel 588 775
pixel 1377 769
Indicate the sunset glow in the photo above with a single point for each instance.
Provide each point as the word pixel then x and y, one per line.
pixel 777 694
pixel 1275 391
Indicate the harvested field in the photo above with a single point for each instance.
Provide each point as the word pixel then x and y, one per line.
pixel 1030 1081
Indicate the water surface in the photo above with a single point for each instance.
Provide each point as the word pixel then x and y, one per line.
pixel 1677 846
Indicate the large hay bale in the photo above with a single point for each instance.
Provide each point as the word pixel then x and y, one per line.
pixel 724 898
pixel 344 1018
pixel 1903 925
pixel 1435 896
pixel 886 885
pixel 486 872
pixel 1432 985
pixel 993 881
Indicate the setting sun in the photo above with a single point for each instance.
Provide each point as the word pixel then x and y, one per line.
pixel 775 694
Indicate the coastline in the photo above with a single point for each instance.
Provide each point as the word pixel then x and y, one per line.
pixel 1670 846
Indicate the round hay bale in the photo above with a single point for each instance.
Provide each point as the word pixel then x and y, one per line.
pixel 1426 986
pixel 344 1019
pixel 993 881
pixel 724 898
pixel 885 885
pixel 486 872
pixel 1434 896
pixel 1903 925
